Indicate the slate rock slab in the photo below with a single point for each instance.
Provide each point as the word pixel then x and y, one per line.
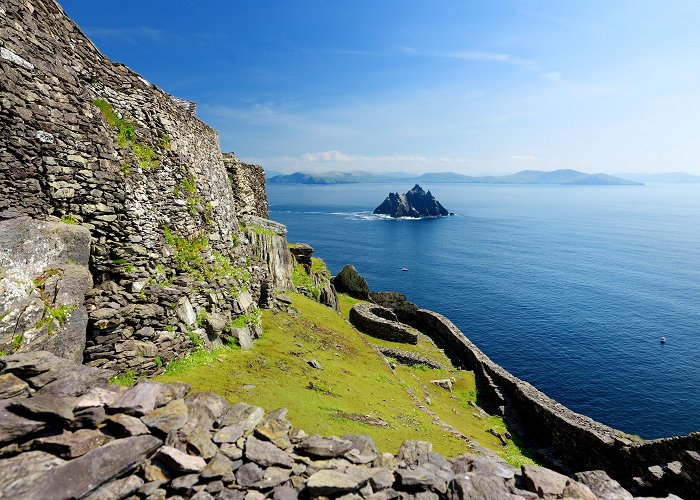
pixel 13 427
pixel 170 417
pixel 72 444
pixel 335 481
pixel 18 471
pixel 12 386
pixel 265 453
pixel 77 478
pixel 180 461
pixel 138 400
pixel 324 447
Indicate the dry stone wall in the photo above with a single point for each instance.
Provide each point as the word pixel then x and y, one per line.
pixel 65 434
pixel 90 140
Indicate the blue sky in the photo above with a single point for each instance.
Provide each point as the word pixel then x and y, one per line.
pixel 474 87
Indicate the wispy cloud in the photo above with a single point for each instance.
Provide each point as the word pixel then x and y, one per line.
pixel 473 55
pixel 523 157
pixel 142 34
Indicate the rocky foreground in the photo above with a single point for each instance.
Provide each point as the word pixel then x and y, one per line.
pixel 66 433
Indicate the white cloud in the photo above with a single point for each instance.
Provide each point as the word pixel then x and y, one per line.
pixel 523 157
pixel 473 55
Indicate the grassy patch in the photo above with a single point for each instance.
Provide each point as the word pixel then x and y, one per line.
pixel 70 219
pixel 126 379
pixel 319 267
pixel 353 392
pixel 346 302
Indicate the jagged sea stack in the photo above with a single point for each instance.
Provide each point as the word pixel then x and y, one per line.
pixel 416 203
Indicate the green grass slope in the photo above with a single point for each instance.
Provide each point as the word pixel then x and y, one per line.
pixel 356 392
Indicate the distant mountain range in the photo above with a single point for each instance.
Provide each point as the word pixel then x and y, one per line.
pixel 666 178
pixel 562 177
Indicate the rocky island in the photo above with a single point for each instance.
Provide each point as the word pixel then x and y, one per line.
pixel 416 204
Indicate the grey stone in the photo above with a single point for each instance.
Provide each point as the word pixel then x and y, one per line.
pixel 265 453
pixel 167 418
pixel 410 450
pixel 96 396
pixel 228 494
pixel 185 311
pixel 218 467
pixel 604 487
pixel 249 474
pixel 79 477
pixel 119 488
pixel 185 482
pixel 214 403
pixel 545 482
pixel 170 391
pixel 275 427
pixel 285 493
pixel 149 488
pixel 21 470
pixel 11 386
pixel 420 478
pixel 273 476
pixel 363 449
pixel 382 479
pixel 215 323
pixel 349 281
pixel 31 364
pixel 72 444
pixel 242 414
pixel 46 407
pixel 125 425
pixel 574 489
pixel 242 337
pixel 335 481
pixel 14 427
pixel 231 451
pixel 325 447
pixel 483 466
pixel 180 461
pixel 228 434
pixel 138 400
pixel 314 364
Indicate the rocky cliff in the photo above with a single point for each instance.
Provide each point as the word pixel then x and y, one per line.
pixel 416 203
pixel 92 143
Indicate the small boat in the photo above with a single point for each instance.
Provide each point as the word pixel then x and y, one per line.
pixel 404 269
pixel 662 340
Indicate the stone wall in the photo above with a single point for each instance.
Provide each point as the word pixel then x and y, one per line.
pixel 66 434
pixel 381 323
pixel 91 141
pixel 567 439
pixel 248 183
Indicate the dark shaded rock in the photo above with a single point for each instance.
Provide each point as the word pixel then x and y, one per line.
pixel 180 461
pixel 416 203
pixel 72 444
pixel 79 477
pixel 249 474
pixel 275 427
pixel 125 425
pixel 88 417
pixel 46 407
pixel 266 453
pixel 324 447
pixel 11 386
pixel 314 364
pixel 75 381
pixel 302 253
pixel 119 488
pixel 167 418
pixel 335 481
pixel 137 400
pixel 574 489
pixel 602 485
pixel 349 281
pixel 30 364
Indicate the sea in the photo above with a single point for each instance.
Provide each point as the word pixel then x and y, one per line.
pixel 568 287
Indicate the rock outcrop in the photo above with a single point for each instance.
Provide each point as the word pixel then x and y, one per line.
pixel 66 434
pixel 43 280
pixel 416 203
pixel 349 281
pixel 313 277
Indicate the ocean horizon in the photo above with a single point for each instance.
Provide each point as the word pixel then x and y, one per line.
pixel 568 287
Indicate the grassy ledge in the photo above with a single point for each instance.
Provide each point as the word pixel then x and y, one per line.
pixel 356 392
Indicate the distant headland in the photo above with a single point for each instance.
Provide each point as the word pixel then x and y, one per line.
pixel 567 177
pixel 416 203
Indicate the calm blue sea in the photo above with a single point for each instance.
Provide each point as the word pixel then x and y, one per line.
pixel 568 288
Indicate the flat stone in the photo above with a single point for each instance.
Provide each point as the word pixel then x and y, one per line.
pixel 77 478
pixel 185 311
pixel 46 407
pixel 218 467
pixel 245 415
pixel 574 489
pixel 382 479
pixel 125 425
pixel 12 386
pixel 167 418
pixel 334 481
pixel 72 444
pixel 249 474
pixel 119 488
pixel 180 461
pixel 185 483
pixel 410 450
pixel 482 465
pixel 265 453
pixel 19 471
pixel 420 478
pixel 97 396
pixel 215 404
pixel 171 391
pixel 13 427
pixel 138 400
pixel 229 434
pixel 88 418
pixel 273 476
pixel 285 493
pixel 75 381
pixel 200 440
pixel 29 364
pixel 325 447
pixel 275 427
pixel 231 451
pixel 545 482
pixel 314 364
pixel 602 485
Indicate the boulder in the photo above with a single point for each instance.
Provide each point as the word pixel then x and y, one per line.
pixel 302 254
pixel 43 283
pixel 180 461
pixel 349 281
pixel 335 481
pixel 265 453
pixel 324 447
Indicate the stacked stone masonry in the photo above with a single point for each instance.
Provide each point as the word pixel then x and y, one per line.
pixel 65 434
pixel 91 142
pixel 381 323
